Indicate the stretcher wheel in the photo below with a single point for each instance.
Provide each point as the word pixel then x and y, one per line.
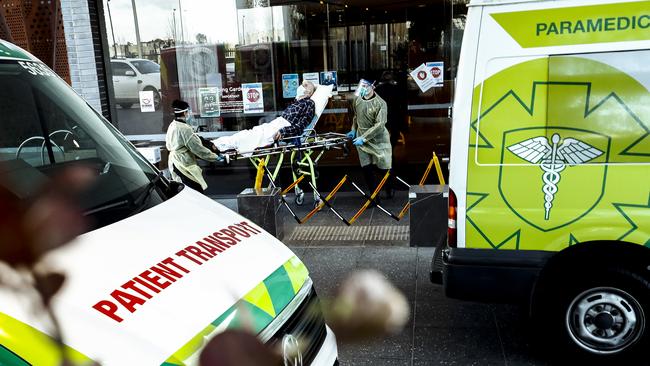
pixel 300 198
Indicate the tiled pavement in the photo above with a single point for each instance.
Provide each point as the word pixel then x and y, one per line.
pixel 441 331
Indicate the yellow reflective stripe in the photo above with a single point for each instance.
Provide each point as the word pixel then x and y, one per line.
pixel 190 348
pixel 34 346
pixel 297 272
pixel 260 297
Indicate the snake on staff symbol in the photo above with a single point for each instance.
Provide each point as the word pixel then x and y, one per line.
pixel 553 158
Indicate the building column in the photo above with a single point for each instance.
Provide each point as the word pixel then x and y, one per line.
pixel 81 51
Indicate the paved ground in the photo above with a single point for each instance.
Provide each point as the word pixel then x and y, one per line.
pixel 441 331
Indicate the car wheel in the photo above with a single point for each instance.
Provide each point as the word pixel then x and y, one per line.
pixel 599 314
pixel 156 98
pixel 126 105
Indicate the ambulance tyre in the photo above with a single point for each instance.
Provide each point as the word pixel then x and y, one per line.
pixel 596 314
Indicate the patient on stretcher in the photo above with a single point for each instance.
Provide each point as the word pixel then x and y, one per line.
pixel 292 123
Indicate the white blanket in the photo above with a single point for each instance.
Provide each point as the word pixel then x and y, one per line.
pixel 246 141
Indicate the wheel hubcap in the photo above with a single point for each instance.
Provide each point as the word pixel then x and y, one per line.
pixel 605 320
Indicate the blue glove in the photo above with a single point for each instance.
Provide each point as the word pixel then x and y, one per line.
pixel 352 134
pixel 359 141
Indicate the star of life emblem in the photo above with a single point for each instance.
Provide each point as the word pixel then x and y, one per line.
pixel 553 158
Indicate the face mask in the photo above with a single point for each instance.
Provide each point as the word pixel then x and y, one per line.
pixel 190 120
pixel 300 92
pixel 363 92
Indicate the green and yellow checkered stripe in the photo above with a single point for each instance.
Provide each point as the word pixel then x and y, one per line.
pixel 21 344
pixel 254 312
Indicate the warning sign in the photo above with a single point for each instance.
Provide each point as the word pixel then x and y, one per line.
pixel 253 98
pixel 429 75
pixel 437 70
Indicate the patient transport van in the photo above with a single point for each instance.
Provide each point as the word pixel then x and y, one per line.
pixel 549 200
pixel 162 270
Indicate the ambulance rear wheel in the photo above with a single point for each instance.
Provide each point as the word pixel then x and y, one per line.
pixel 598 314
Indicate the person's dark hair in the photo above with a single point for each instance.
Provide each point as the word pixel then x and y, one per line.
pixel 180 107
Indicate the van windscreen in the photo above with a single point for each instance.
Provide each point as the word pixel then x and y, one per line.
pixel 47 127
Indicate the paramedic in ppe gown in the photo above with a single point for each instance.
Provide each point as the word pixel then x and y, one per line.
pixel 371 136
pixel 185 147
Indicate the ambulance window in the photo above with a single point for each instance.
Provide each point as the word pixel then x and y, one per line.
pixel 9 358
pixel 598 107
pixel 574 109
pixel 508 106
pixel 47 127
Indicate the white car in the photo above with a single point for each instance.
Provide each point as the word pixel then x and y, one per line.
pixel 133 75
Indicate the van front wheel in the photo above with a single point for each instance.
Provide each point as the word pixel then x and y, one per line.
pixel 599 314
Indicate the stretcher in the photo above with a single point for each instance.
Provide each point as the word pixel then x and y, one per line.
pixel 305 154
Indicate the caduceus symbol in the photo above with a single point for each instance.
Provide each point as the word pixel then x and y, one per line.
pixel 553 160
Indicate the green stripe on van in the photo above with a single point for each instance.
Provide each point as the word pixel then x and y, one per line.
pixel 578 25
pixel 252 311
pixel 280 289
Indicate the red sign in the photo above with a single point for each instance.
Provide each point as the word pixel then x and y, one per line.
pixel 253 95
pixel 422 75
pixel 435 72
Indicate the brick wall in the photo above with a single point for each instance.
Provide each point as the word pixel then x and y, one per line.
pixel 81 51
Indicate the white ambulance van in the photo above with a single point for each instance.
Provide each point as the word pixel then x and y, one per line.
pixel 549 200
pixel 162 269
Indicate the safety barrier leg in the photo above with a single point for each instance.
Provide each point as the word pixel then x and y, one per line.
pixel 371 198
pixel 326 202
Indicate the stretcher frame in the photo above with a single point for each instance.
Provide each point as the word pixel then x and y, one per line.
pixel 305 154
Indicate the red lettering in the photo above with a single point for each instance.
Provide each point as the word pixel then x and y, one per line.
pixel 145 284
pixel 183 253
pixel 177 266
pixel 231 234
pixel 131 286
pixel 239 231
pixel 228 240
pixel 245 225
pixel 212 250
pixel 109 309
pixel 147 275
pixel 216 242
pixel 166 272
pixel 199 253
pixel 127 300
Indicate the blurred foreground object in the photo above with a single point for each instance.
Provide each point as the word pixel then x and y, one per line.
pixel 30 229
pixel 367 305
pixel 238 348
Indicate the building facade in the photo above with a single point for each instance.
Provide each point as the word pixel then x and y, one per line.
pixel 208 52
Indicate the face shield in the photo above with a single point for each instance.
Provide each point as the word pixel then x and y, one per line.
pixel 363 88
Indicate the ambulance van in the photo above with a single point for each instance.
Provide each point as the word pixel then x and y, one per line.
pixel 549 200
pixel 161 270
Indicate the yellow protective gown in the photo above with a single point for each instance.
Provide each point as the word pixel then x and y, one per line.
pixel 184 147
pixel 369 121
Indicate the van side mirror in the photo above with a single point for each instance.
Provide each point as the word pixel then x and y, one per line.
pixel 130 73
